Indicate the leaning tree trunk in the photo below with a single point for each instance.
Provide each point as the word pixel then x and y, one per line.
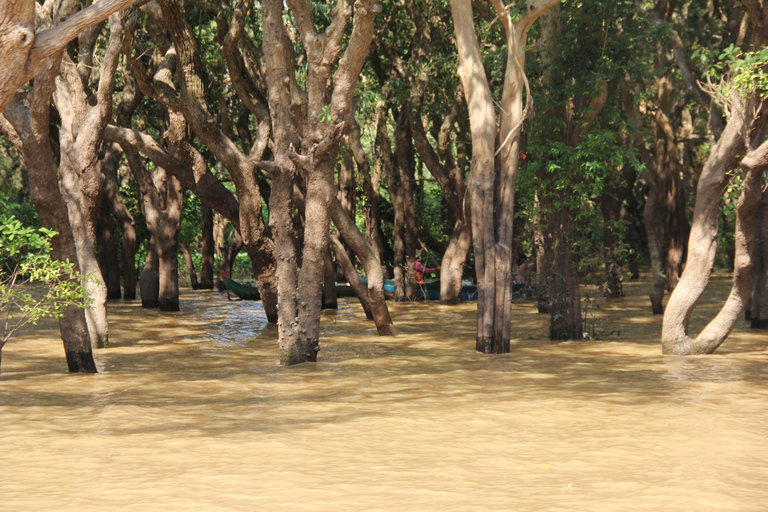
pixel 758 312
pixel 703 245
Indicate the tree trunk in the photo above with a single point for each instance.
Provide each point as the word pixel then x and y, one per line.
pixel 208 249
pixel 120 212
pixel 149 282
pixel 329 283
pixel 108 249
pixel 193 105
pixel 351 275
pixel 397 198
pixel 566 321
pixel 371 183
pixel 84 116
pixel 492 197
pixel 184 248
pixel 758 310
pixel 702 243
pixel 31 124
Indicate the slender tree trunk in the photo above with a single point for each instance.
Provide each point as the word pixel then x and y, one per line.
pixel 566 321
pixel 371 183
pixel 108 249
pixel 351 274
pixel 184 248
pixel 330 300
pixel 208 248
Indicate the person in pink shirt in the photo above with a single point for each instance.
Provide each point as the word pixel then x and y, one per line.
pixel 421 270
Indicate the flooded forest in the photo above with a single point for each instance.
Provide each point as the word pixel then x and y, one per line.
pixel 383 255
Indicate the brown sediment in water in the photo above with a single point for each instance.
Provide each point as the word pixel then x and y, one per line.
pixel 192 412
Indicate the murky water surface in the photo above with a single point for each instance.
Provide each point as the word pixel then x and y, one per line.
pixel 191 412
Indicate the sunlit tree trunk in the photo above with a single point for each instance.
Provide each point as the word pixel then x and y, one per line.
pixel 702 243
pixel 491 195
pixel 23 52
pixel 31 130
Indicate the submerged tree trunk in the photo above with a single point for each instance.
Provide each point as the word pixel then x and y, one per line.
pixel 702 244
pixel 492 197
pixel 108 249
pixel 758 309
pixel 310 146
pixel 193 282
pixel 208 249
pixel 149 283
pixel 31 125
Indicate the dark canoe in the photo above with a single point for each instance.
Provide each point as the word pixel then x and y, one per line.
pixel 344 290
pixel 243 291
pixel 431 291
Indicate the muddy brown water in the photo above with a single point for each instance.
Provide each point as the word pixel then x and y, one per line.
pixel 191 412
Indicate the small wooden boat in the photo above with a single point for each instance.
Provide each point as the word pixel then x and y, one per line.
pixel 431 291
pixel 244 291
pixel 344 290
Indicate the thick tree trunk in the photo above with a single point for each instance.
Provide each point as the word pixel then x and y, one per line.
pixel 84 116
pixel 149 283
pixel 702 244
pixel 758 310
pixel 31 124
pixel 492 197
pixel 120 212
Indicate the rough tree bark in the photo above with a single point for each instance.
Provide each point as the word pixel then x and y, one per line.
pixel 304 130
pixel 162 198
pixel 23 52
pixel 84 115
pixel 190 101
pixel 30 126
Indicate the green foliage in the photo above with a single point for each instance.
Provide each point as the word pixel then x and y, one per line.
pixel 32 284
pixel 746 69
